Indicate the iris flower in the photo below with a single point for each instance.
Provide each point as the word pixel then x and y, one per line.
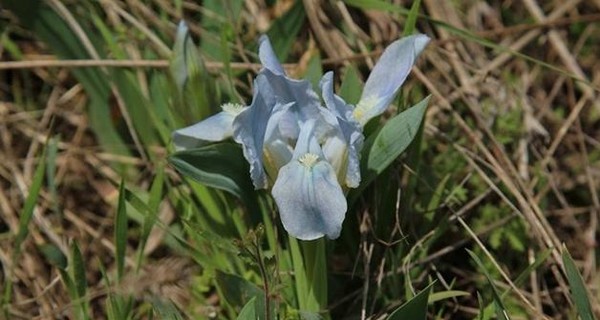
pixel 306 151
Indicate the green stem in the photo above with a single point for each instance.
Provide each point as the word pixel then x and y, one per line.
pixel 315 264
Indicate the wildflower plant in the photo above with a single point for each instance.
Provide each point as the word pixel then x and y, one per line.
pixel 304 147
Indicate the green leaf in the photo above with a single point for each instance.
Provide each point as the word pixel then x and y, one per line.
pixel 501 312
pixel 29 205
pixel 377 5
pixel 415 308
pixel 193 83
pixel 54 256
pixel 284 31
pixel 578 291
pixel 79 281
pixel 166 309
pixel 411 19
pixel 121 231
pixel 248 312
pixel 220 166
pixel 351 85
pixel 238 291
pixel 395 137
pixel 443 295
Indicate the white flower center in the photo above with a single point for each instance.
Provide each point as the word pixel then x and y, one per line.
pixel 363 106
pixel 232 108
pixel 308 159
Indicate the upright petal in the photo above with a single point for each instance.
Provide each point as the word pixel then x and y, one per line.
pixel 267 56
pixel 212 129
pixel 388 75
pixel 345 154
pixel 310 200
pixel 249 129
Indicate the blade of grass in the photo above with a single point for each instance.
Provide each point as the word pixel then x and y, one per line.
pixel 578 290
pixel 24 219
pixel 411 19
pixel 80 282
pixel 121 231
pixel 415 308
pixel 501 312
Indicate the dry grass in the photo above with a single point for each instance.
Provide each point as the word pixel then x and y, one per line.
pixel 548 173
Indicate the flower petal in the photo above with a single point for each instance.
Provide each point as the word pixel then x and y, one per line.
pixel 343 154
pixel 310 200
pixel 388 75
pixel 267 56
pixel 212 129
pixel 249 129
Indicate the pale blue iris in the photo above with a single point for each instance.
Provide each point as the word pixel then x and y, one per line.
pixel 309 153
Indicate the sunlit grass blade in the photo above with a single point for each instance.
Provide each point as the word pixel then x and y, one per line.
pixel 415 308
pixel 578 290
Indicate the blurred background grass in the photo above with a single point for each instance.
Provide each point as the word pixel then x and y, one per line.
pixel 95 224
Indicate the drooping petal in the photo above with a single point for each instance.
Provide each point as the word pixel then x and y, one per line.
pixel 310 200
pixel 212 129
pixel 345 154
pixel 267 56
pixel 249 129
pixel 388 75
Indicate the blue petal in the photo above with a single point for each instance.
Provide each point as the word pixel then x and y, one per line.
pixel 249 129
pixel 267 56
pixel 212 129
pixel 310 200
pixel 345 154
pixel 388 75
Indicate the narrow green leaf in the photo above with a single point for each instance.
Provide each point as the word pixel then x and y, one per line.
pixel 51 172
pixel 54 256
pixel 411 20
pixel 395 137
pixel 238 291
pixel 578 290
pixel 166 309
pixel 415 308
pixel 79 281
pixel 191 77
pixel 300 280
pixel 377 5
pixel 501 312
pixel 121 231
pixel 314 254
pixel 248 312
pixel 284 31
pixel 523 276
pixel 443 295
pixel 30 201
pixel 78 266
pixel 220 166
pixel 352 85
